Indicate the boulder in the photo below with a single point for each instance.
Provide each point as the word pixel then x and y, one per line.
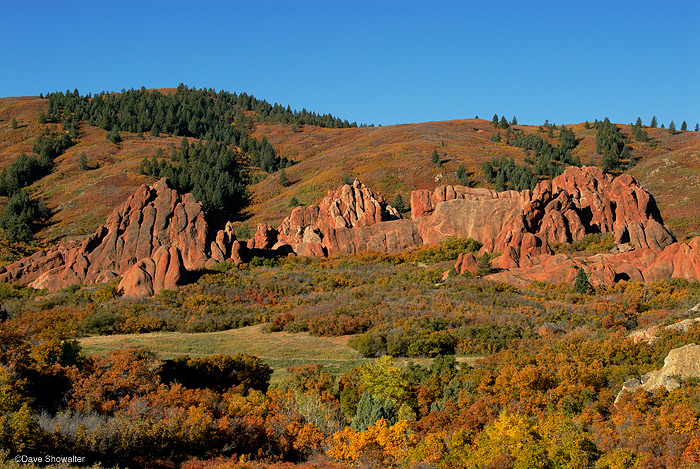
pixel 683 363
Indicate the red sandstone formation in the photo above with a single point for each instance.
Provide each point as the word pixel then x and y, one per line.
pixel 152 240
pixel 156 236
pixel 518 225
pixel 349 220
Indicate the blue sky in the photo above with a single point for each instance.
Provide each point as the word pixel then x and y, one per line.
pixel 374 62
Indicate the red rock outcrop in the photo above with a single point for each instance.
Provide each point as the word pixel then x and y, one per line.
pixel 349 220
pixel 152 240
pixel 519 225
pixel 156 236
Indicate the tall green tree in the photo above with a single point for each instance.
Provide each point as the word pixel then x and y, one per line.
pixel 684 126
pixel 82 162
pixel 654 123
pixel 581 284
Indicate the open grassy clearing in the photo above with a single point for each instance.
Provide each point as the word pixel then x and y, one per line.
pixel 280 350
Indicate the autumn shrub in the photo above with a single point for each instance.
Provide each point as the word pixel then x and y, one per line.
pixel 446 250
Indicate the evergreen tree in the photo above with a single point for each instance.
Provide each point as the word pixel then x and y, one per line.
pixel 20 217
pixel 697 127
pixel 639 122
pixel 82 162
pixel 653 122
pixel 284 182
pixel 371 409
pixel 514 121
pixel 398 203
pixel 463 176
pixel 581 285
pixel 672 128
pixel 489 174
pixel 500 181
pixel 494 121
pixel 503 123
pixel 684 126
pixel 435 158
pixel 13 123
pixel 484 266
pixel 586 125
pixel 113 136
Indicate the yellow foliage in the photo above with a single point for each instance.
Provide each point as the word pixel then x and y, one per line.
pixel 255 403
pixel 381 444
pixel 619 459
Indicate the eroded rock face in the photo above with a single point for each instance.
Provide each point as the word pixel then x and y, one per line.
pixel 152 240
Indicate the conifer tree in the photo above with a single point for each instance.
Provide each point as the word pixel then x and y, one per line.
pixel 284 182
pixel 653 123
pixel 684 126
pixel 494 121
pixel 398 203
pixel 82 162
pixel 672 128
pixel 581 285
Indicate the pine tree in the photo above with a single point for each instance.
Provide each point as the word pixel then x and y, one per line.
pixel 284 182
pixel 500 182
pixel 113 136
pixel 494 121
pixel 484 266
pixel 639 122
pixel 398 203
pixel 514 121
pixel 504 123
pixel 581 285
pixel 82 162
pixel 653 123
pixel 371 409
pixel 672 128
pixel 697 127
pixel 462 175
pixel 435 158
pixel 13 123
pixel 684 126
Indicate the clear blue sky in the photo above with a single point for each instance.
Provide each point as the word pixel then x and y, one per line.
pixel 375 62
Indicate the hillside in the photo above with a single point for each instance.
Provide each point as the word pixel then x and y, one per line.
pixel 392 160
pixel 397 159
